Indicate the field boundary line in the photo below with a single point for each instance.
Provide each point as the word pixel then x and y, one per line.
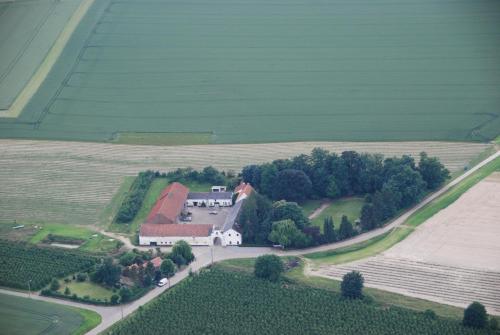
pixel 48 62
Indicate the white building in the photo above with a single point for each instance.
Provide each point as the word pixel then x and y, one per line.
pixel 227 235
pixel 210 199
pixel 167 234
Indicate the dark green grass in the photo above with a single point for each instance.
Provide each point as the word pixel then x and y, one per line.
pixel 22 316
pixel 259 71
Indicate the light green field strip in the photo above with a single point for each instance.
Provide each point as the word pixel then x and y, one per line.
pixel 30 89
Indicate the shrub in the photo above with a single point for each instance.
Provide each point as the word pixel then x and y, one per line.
pixel 167 268
pixel 67 291
pixel 475 316
pixel 268 267
pixel 54 284
pixel 352 285
pixel 114 299
pixel 81 277
pixel 181 248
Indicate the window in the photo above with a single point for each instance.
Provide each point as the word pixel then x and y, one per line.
pixel 230 242
pixel 237 234
pixel 237 242
pixel 229 234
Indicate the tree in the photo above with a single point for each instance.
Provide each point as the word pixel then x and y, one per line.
pixel 432 171
pixel 345 230
pixel 182 248
pixel 125 294
pixel 475 316
pixel 150 269
pixel 147 281
pixel 81 277
pixel 54 284
pixel 329 230
pixel 67 291
pixel 352 285
pixel 128 258
pixel 287 234
pixel 114 299
pixel 408 185
pixel 251 174
pixel 167 268
pixel 268 267
pixel 107 273
pixel 332 190
pixel 268 175
pixel 293 185
pixel 283 210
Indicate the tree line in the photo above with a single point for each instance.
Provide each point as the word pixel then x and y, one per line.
pixel 388 185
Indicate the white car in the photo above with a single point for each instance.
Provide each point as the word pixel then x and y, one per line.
pixel 213 212
pixel 162 282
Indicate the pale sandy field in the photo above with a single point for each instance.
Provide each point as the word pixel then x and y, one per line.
pixel 453 258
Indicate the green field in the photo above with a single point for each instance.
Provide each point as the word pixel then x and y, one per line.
pixel 28 29
pixel 91 241
pixel 351 207
pixel 204 304
pixel 259 71
pixel 22 316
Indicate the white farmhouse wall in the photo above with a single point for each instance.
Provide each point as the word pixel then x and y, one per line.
pixel 209 202
pixel 231 237
pixel 170 240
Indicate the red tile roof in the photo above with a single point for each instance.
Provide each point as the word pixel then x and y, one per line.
pixel 169 205
pixel 165 230
pixel 243 188
pixel 156 263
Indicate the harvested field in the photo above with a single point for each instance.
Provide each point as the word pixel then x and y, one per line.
pixel 451 258
pixel 259 71
pixel 72 182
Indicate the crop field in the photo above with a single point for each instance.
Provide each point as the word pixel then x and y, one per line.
pixel 70 182
pixel 28 29
pixel 451 258
pixel 259 71
pixel 22 263
pixel 22 316
pixel 205 305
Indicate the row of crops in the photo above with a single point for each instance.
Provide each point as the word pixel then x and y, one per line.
pixel 21 262
pixel 220 302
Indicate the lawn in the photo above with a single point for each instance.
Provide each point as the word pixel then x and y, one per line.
pixel 347 206
pixel 91 241
pixel 262 71
pixel 309 206
pixel 86 288
pixel 22 316
pixel 150 199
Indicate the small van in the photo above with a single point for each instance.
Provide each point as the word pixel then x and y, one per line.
pixel 162 282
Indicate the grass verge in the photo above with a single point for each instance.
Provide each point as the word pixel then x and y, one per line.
pixel 163 138
pixel 363 249
pixel 91 320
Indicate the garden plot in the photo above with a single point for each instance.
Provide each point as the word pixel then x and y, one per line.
pixel 451 258
pixel 73 182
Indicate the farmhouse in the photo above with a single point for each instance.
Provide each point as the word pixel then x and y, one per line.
pixel 164 225
pixel 169 206
pixel 210 199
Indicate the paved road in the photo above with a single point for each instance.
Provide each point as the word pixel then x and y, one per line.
pixel 204 257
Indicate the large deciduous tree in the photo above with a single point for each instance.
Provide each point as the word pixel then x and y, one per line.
pixel 475 316
pixel 268 267
pixel 293 185
pixel 352 285
pixel 433 172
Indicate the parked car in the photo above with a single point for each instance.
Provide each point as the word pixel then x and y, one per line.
pixel 162 282
pixel 213 212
